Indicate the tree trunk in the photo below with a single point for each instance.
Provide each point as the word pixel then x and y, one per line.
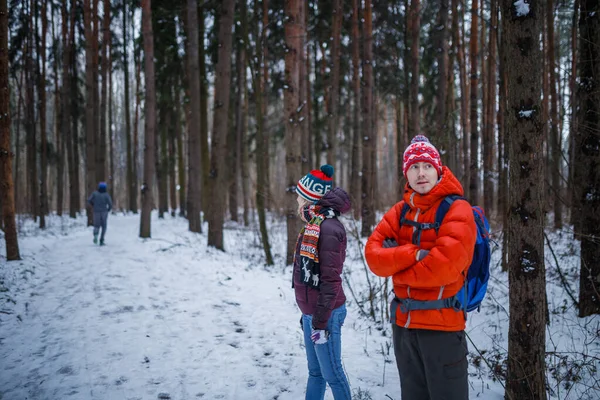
pixel 488 134
pixel 180 158
pixel 442 56
pixel 172 159
pixel 195 160
pixel 474 132
pixel 587 166
pixel 90 118
pixel 235 154
pixel 105 71
pixel 464 120
pixel 6 180
pixel 149 120
pixel 294 30
pixel 265 103
pixel 218 172
pixel 243 149
pixel 111 149
pixel 30 122
pixel 203 176
pixel 136 121
pixel 414 29
pixel 355 189
pixel 573 122
pixel 368 148
pixel 526 269
pixel 42 117
pixel 131 189
pixel 60 142
pixel 75 205
pixel 261 147
pixel 164 115
pixel 554 121
pixel 334 85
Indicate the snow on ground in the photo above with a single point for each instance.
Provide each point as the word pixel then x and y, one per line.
pixel 169 318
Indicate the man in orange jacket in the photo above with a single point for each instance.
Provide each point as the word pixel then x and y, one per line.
pixel 427 265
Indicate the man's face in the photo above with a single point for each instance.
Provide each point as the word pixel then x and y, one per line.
pixel 422 177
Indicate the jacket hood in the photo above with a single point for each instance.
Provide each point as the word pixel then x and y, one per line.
pixel 337 199
pixel 447 185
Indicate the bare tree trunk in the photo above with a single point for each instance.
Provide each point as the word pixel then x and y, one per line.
pixel 554 132
pixel 136 121
pixel 180 158
pixel 218 173
pixel 6 180
pixel 587 166
pixel 294 31
pixel 334 84
pixel 414 29
pixel 368 174
pixel 355 189
pixel 131 189
pixel 105 71
pixel 60 143
pixel 526 269
pixel 243 136
pixel 265 103
pixel 488 135
pixel 261 145
pixel 195 160
pixel 149 120
pixel 19 122
pixel 442 56
pixel 573 122
pixel 42 116
pixel 111 148
pixel 474 132
pixel 204 145
pixel 464 122
pixel 75 203
pixel 172 159
pixel 30 121
pixel 90 118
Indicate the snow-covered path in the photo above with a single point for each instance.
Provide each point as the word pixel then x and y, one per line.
pixel 161 318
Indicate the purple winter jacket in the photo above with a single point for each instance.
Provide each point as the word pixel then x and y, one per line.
pixel 332 252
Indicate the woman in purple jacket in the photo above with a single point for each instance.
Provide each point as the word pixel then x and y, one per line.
pixel 317 280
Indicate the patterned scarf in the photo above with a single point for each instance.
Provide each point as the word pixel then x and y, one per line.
pixel 309 240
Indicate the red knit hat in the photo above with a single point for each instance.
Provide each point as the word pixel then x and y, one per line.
pixel 420 150
pixel 316 183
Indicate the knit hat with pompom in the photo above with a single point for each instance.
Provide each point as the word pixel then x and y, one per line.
pixel 316 183
pixel 421 150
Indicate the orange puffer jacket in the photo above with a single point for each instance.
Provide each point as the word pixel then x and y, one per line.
pixel 441 273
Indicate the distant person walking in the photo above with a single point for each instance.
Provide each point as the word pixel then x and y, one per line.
pixel 317 280
pixel 101 204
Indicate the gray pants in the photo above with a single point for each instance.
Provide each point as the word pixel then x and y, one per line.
pixel 100 219
pixel 432 364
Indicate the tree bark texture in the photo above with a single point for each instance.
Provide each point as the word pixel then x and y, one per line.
pixel 194 148
pixel 149 121
pixel 587 150
pixel 526 269
pixel 334 86
pixel 474 130
pixel 368 136
pixel 294 38
pixel 6 179
pixel 414 29
pixel 218 173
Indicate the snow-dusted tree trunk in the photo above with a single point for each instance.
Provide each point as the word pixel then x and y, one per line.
pixel 525 379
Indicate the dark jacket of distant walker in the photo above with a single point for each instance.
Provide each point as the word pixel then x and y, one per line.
pixel 101 202
pixel 332 252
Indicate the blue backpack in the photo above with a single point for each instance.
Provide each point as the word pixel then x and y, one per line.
pixel 469 298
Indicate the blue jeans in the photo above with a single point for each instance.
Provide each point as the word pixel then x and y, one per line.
pixel 325 360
